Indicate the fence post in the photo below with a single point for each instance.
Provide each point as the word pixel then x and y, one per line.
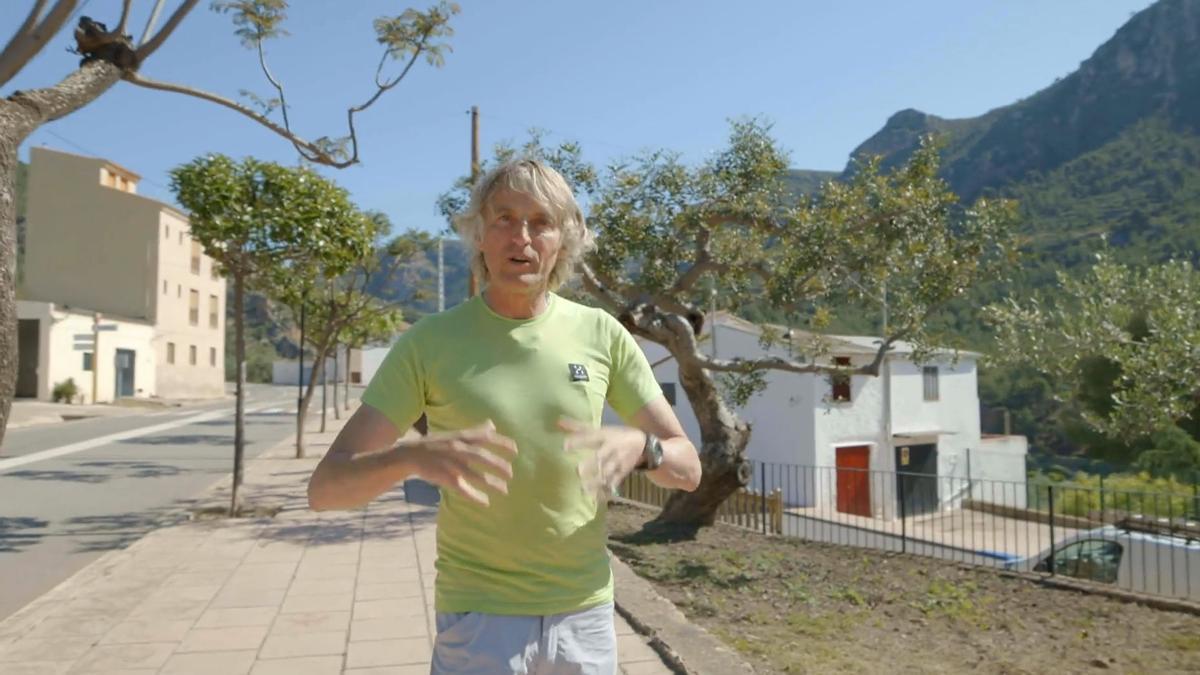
pixel 1050 491
pixel 970 487
pixel 903 511
pixel 1102 520
pixel 1196 496
pixel 763 486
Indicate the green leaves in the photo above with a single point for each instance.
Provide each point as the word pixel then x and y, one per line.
pixel 413 32
pixel 1122 342
pixel 256 20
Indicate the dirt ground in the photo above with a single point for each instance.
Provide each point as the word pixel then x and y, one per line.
pixel 790 606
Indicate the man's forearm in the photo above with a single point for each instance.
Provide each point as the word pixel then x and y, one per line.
pixel 344 481
pixel 680 469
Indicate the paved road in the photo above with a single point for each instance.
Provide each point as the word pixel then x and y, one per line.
pixel 123 476
pixel 815 529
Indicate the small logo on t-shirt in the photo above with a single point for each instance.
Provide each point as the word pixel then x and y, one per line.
pixel 578 372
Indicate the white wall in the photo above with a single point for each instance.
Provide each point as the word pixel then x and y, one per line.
pixel 998 470
pixel 284 372
pixel 59 360
pixel 372 358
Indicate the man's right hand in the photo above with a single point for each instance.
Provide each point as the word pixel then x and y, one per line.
pixel 468 462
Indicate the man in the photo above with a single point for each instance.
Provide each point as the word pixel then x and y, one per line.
pixel 513 383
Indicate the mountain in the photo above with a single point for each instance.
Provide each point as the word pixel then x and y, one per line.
pixel 806 182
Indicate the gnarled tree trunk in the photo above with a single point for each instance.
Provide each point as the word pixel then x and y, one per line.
pixel 20 115
pixel 723 440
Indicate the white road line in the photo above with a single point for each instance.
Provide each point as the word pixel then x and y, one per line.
pixel 73 448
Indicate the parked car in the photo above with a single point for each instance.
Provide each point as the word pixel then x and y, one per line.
pixel 1144 557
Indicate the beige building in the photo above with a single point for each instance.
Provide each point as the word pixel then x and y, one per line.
pixel 94 246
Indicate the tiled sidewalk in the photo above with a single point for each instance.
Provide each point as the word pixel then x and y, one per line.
pixel 299 594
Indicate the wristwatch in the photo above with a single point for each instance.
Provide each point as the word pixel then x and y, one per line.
pixel 652 454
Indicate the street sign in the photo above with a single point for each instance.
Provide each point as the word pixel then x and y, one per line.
pixel 83 348
pixel 107 327
pixel 83 336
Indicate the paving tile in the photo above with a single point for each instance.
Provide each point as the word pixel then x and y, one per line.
pixel 304 665
pixel 81 626
pixel 237 616
pixel 37 668
pixel 385 591
pixel 209 663
pixel 169 610
pixel 389 653
pixel 340 602
pixel 388 629
pixel 322 586
pixel 646 668
pixel 304 644
pixel 143 630
pixel 391 608
pixel 309 571
pixel 310 622
pixel 262 597
pixel 623 627
pixel 45 649
pixel 632 648
pixel 232 639
pixel 150 655
pixel 411 669
pixel 203 578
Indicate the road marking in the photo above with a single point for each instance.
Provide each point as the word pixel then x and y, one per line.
pixel 73 448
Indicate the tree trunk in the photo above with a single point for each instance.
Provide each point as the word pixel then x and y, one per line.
pixel 337 412
pixel 21 114
pixel 239 415
pixel 324 392
pixel 302 414
pixel 346 391
pixel 723 440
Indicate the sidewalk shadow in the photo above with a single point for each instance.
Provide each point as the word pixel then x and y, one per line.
pixel 14 535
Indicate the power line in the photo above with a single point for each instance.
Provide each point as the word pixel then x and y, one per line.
pixel 99 155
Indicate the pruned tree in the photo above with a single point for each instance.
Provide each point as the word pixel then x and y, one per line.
pixel 342 305
pixel 668 233
pixel 255 219
pixel 1121 345
pixel 110 56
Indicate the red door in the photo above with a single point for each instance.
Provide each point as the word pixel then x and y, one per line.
pixel 854 480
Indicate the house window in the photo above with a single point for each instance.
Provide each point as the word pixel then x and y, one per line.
pixel 194 307
pixel 212 356
pixel 931 382
pixel 170 352
pixel 214 271
pixel 196 251
pixel 192 355
pixel 213 314
pixel 87 361
pixel 179 290
pixel 840 382
pixel 668 390
pixel 180 237
pixel 164 286
pixel 168 235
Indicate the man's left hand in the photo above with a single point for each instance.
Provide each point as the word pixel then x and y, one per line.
pixel 614 452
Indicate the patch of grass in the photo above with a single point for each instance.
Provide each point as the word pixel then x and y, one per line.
pixel 1183 643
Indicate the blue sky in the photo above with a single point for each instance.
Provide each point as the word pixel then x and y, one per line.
pixel 619 76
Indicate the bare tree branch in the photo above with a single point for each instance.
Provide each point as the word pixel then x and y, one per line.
pixel 158 5
pixel 32 36
pixel 318 154
pixel 126 5
pixel 381 88
pixel 169 27
pixel 600 291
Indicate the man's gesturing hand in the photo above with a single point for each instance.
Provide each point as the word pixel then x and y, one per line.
pixel 617 451
pixel 467 461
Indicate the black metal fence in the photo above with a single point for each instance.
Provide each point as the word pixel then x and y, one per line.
pixel 1147 542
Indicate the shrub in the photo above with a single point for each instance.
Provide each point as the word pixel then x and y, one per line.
pixel 65 391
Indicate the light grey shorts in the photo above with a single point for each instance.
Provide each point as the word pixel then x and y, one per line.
pixel 576 643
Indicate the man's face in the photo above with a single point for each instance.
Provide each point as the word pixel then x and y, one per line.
pixel 520 242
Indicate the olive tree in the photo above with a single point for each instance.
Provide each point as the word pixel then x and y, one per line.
pixel 109 56
pixel 667 233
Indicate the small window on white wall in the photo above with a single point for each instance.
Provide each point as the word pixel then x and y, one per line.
pixel 931 383
pixel 87 361
pixel 668 390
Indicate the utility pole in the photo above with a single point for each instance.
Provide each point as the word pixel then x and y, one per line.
pixel 887 391
pixel 300 376
pixel 96 358
pixel 441 276
pixel 474 283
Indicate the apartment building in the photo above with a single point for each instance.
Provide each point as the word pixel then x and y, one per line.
pixel 100 258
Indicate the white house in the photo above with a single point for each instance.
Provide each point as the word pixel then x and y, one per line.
pixel 826 443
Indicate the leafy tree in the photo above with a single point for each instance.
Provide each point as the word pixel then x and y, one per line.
pixel 337 300
pixel 666 233
pixel 110 56
pixel 1122 346
pixel 255 218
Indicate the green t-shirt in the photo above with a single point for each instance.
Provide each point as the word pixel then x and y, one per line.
pixel 541 549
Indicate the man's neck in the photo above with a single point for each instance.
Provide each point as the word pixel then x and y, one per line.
pixel 517 306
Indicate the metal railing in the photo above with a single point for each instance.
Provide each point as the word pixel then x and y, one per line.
pixel 744 508
pixel 1140 541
